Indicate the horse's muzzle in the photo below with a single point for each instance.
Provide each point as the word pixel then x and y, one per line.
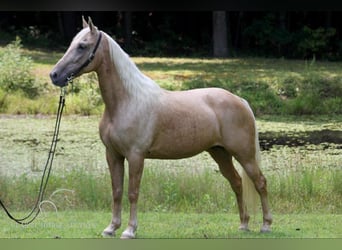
pixel 58 80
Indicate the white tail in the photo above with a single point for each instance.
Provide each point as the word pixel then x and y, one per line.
pixel 249 194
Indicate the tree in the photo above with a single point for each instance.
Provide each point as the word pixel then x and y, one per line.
pixel 67 24
pixel 220 38
pixel 128 30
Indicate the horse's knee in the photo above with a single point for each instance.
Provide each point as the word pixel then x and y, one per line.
pixel 117 194
pixel 133 196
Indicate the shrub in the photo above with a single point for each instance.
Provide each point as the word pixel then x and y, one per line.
pixel 16 70
pixel 314 94
pixel 266 37
pixel 289 87
pixel 315 41
pixel 259 95
pixel 3 103
pixel 17 103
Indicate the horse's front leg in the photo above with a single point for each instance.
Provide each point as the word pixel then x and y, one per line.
pixel 136 166
pixel 116 169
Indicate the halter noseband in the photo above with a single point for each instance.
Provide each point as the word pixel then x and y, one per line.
pixel 90 58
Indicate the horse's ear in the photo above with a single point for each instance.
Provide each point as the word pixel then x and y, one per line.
pixel 92 27
pixel 84 22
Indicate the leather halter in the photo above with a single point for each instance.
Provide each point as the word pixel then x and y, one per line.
pixel 89 60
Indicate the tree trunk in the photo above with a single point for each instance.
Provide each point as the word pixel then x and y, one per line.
pixel 220 42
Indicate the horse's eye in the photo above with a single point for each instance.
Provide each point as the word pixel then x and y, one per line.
pixel 81 46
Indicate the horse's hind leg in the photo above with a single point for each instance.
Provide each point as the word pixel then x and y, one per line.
pixel 254 173
pixel 224 160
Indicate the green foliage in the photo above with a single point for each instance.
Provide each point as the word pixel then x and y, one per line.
pixel 260 96
pixel 16 70
pixel 290 94
pixel 337 182
pixel 185 191
pixel 285 87
pixel 203 192
pixel 303 95
pixel 33 35
pixel 293 95
pixel 3 104
pixel 85 97
pixel 19 103
pixel 267 37
pixel 314 42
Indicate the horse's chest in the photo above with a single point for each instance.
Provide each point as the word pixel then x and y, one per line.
pixel 123 135
pixel 113 136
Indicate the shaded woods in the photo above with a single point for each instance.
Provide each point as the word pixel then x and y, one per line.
pixel 288 34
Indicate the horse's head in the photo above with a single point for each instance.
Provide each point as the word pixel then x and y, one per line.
pixel 80 57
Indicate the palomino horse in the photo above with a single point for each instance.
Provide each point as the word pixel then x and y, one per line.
pixel 142 120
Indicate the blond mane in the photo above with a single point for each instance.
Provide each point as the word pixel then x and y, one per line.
pixel 138 85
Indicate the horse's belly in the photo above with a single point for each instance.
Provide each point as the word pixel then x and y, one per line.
pixel 173 153
pixel 184 137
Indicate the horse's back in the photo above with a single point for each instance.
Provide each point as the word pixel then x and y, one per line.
pixel 226 106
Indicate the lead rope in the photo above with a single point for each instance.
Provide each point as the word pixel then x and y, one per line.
pixel 47 169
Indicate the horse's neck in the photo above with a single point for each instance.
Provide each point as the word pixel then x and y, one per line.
pixel 122 82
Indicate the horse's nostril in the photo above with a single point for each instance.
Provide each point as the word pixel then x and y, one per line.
pixel 53 75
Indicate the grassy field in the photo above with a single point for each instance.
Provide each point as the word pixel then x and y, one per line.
pixel 89 224
pixel 304 184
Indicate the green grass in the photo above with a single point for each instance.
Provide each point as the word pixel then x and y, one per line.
pixel 180 190
pixel 89 224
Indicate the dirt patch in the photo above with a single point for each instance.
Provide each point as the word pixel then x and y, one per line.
pixel 296 139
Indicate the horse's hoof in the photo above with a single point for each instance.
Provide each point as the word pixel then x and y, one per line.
pixel 108 232
pixel 265 229
pixel 244 228
pixel 127 234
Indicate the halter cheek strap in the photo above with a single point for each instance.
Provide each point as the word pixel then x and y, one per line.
pixel 89 60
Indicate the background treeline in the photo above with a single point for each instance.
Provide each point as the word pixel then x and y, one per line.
pixel 288 34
